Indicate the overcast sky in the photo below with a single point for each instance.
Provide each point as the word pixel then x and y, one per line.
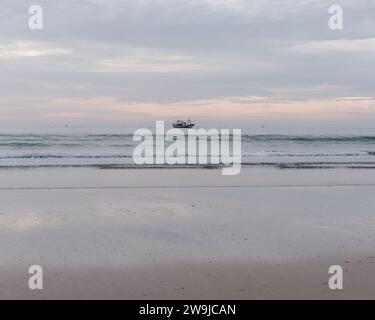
pixel 111 61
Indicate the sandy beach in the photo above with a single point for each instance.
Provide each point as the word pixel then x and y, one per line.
pixel 187 233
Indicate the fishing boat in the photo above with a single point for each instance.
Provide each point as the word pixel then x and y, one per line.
pixel 183 124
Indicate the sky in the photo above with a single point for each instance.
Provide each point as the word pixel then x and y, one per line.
pixel 219 62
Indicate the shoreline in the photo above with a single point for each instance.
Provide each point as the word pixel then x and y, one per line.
pixel 278 165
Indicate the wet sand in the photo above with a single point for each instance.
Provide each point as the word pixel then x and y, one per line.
pixel 187 233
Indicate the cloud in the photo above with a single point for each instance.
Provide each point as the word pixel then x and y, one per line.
pixel 170 51
pixel 364 46
pixel 356 99
pixel 20 49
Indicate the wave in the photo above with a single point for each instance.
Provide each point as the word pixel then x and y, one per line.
pixel 116 155
pixel 36 144
pixel 56 156
pixel 128 154
pixel 310 138
pixel 25 144
pixel 275 153
pixel 17 140
pixel 280 165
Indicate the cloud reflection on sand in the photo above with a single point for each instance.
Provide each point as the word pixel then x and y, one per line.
pixel 26 221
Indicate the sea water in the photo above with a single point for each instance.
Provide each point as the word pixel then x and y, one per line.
pixel 116 148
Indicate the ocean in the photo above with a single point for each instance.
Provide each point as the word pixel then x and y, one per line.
pixel 82 149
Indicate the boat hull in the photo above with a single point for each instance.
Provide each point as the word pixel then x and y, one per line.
pixel 183 127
